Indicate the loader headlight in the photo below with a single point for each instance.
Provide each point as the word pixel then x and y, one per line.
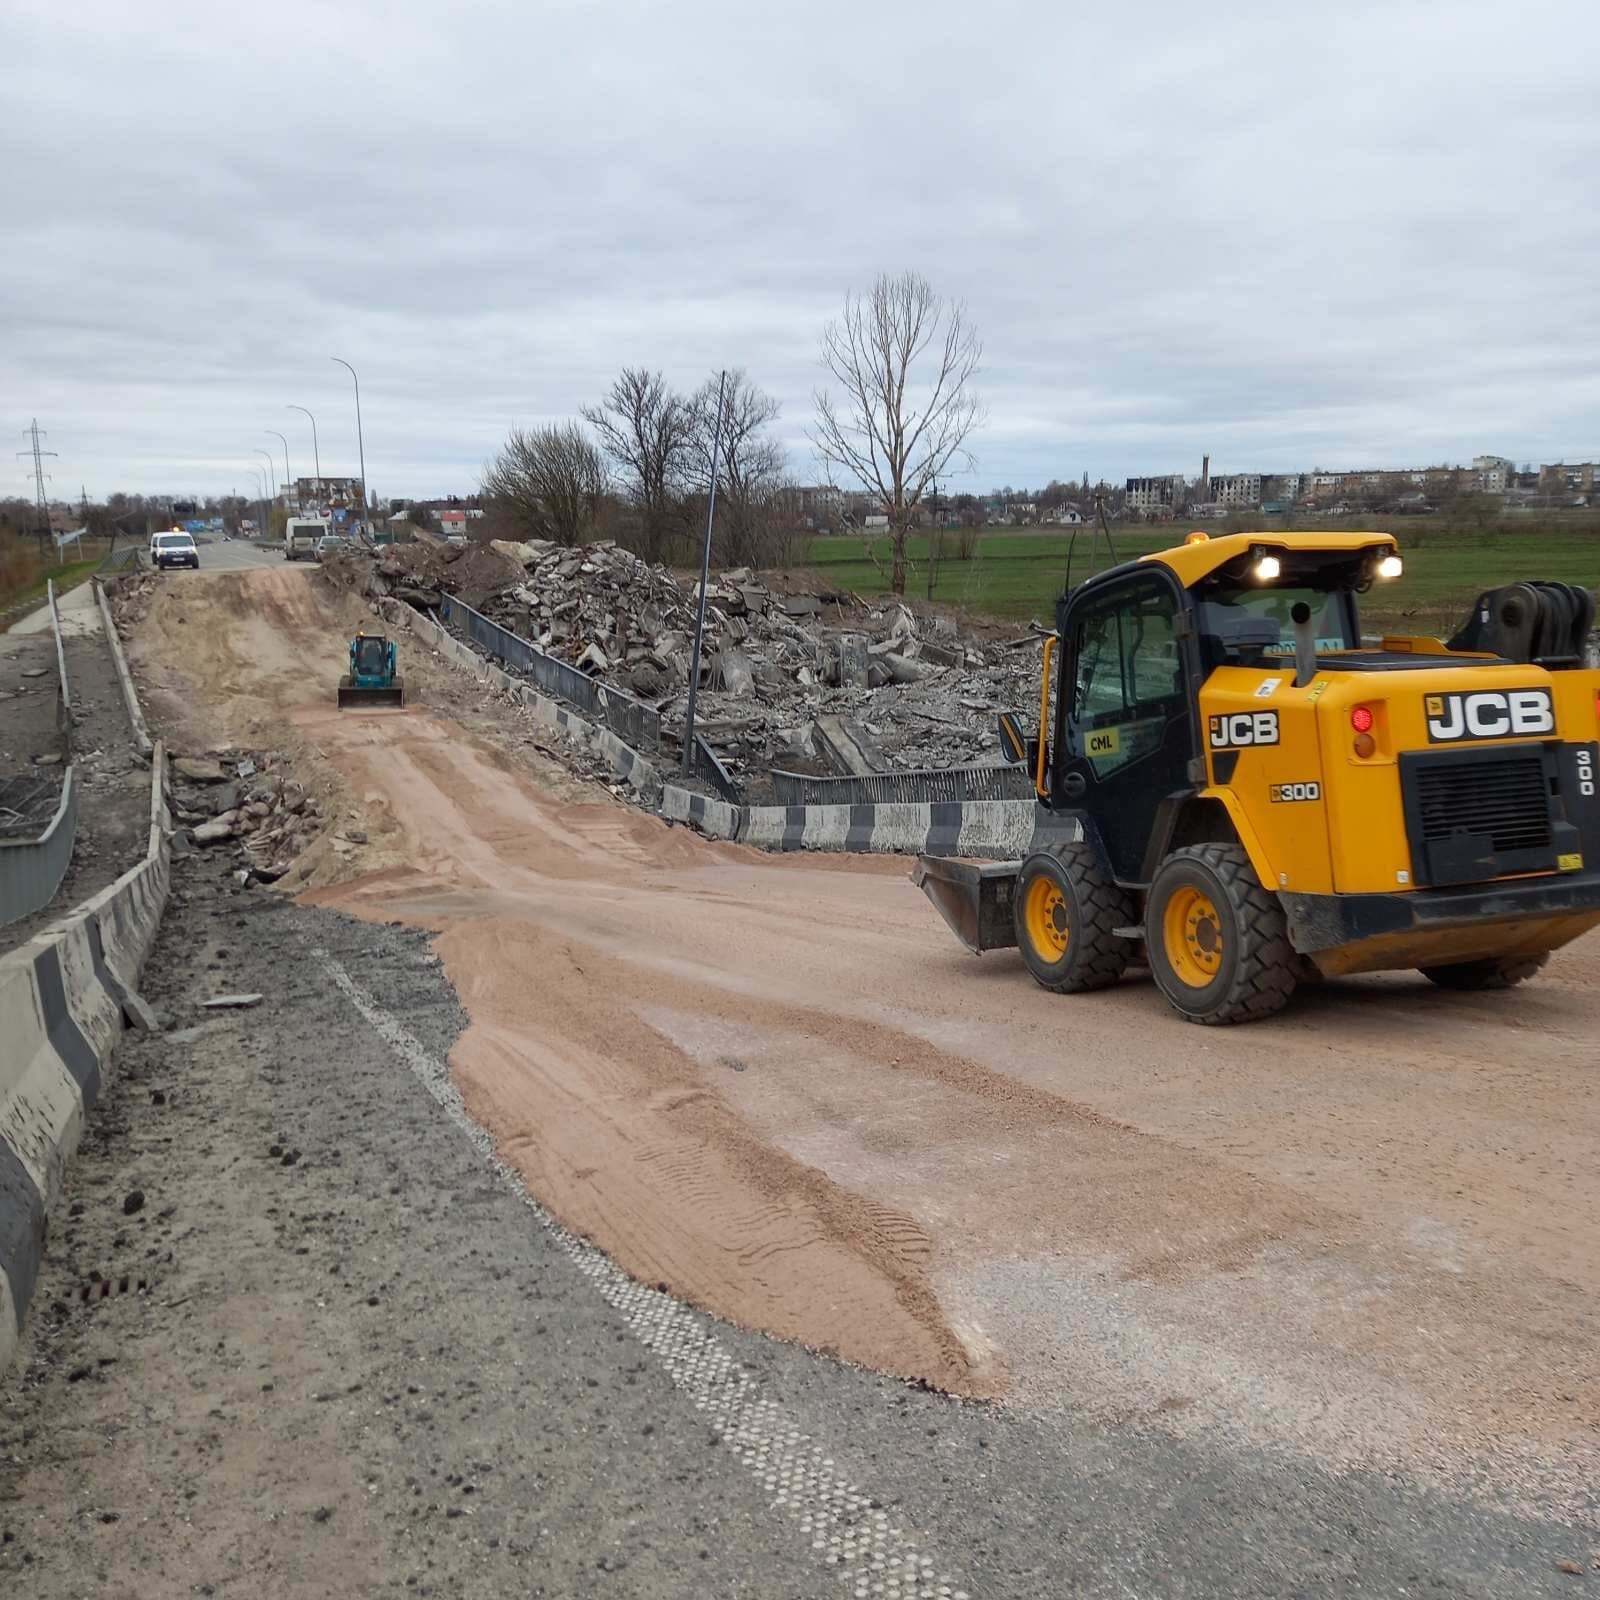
pixel 1391 566
pixel 1267 567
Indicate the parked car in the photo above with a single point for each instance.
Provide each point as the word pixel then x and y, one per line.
pixel 174 550
pixel 330 544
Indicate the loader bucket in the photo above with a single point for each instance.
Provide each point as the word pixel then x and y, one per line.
pixel 353 697
pixel 974 897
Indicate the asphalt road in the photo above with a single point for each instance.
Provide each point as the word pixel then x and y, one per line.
pixel 230 555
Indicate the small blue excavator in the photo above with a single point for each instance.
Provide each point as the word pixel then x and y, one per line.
pixel 371 680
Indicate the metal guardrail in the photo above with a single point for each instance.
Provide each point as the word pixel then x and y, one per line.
pixel 635 723
pixel 928 786
pixel 61 651
pixel 31 870
pixel 121 560
pixel 707 765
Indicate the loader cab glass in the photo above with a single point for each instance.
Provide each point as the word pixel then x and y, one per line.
pixel 1125 728
pixel 1249 624
pixel 369 656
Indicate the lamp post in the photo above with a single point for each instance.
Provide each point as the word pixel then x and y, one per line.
pixel 316 454
pixel 261 496
pixel 360 443
pixel 272 468
pixel 287 480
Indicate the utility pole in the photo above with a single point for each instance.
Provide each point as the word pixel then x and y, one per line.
pixel 33 435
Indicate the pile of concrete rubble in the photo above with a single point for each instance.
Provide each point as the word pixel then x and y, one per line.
pixel 817 683
pixel 232 800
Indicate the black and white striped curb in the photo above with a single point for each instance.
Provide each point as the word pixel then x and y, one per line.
pixel 62 1000
pixel 999 829
pixel 845 1528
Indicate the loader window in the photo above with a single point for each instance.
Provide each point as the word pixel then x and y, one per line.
pixel 1251 627
pixel 1127 678
pixel 369 657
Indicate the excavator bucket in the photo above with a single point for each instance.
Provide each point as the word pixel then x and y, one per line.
pixel 973 897
pixel 352 696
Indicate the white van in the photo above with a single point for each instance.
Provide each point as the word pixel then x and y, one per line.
pixel 300 536
pixel 175 549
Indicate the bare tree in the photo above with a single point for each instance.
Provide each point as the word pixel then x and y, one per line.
pixel 905 358
pixel 750 467
pixel 547 483
pixel 647 431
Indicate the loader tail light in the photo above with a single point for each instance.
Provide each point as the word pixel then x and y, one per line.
pixel 1361 719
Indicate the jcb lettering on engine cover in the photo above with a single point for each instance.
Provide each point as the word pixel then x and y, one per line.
pixel 1243 728
pixel 1490 714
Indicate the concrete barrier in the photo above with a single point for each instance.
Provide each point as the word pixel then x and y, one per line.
pixel 993 829
pixel 636 770
pixel 62 1003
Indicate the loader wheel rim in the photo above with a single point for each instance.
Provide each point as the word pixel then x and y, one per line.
pixel 1048 923
pixel 1192 934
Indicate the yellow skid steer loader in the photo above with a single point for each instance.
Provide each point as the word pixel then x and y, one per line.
pixel 1235 791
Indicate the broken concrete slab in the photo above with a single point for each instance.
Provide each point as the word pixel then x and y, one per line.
pixel 199 769
pixel 139 1012
pixel 231 1002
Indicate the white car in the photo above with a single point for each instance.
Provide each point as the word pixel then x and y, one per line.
pixel 174 550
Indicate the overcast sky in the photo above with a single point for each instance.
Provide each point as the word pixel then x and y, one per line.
pixel 1287 234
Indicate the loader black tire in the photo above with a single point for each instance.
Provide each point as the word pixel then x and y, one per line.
pixel 1495 972
pixel 1065 910
pixel 1218 941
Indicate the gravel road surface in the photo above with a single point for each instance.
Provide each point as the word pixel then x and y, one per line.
pixel 363 1364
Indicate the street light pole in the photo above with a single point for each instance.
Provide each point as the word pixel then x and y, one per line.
pixel 360 443
pixel 287 480
pixel 316 454
pixel 272 467
pixel 261 496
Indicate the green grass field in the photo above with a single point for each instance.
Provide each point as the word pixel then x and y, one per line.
pixel 1017 573
pixel 26 588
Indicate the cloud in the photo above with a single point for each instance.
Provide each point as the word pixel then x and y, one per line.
pixel 1277 234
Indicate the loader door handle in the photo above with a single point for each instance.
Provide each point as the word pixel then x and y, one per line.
pixel 1074 785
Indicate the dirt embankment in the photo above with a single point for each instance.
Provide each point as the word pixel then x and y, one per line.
pixel 1360 1233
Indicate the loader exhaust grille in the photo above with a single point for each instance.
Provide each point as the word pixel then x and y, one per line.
pixel 1479 814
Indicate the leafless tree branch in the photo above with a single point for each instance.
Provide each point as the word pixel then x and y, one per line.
pixel 905 359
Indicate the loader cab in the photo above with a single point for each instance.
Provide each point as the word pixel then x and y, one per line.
pixel 1136 645
pixel 370 651
pixel 1124 733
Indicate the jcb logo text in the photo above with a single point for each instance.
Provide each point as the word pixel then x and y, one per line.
pixel 1244 728
pixel 1490 714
